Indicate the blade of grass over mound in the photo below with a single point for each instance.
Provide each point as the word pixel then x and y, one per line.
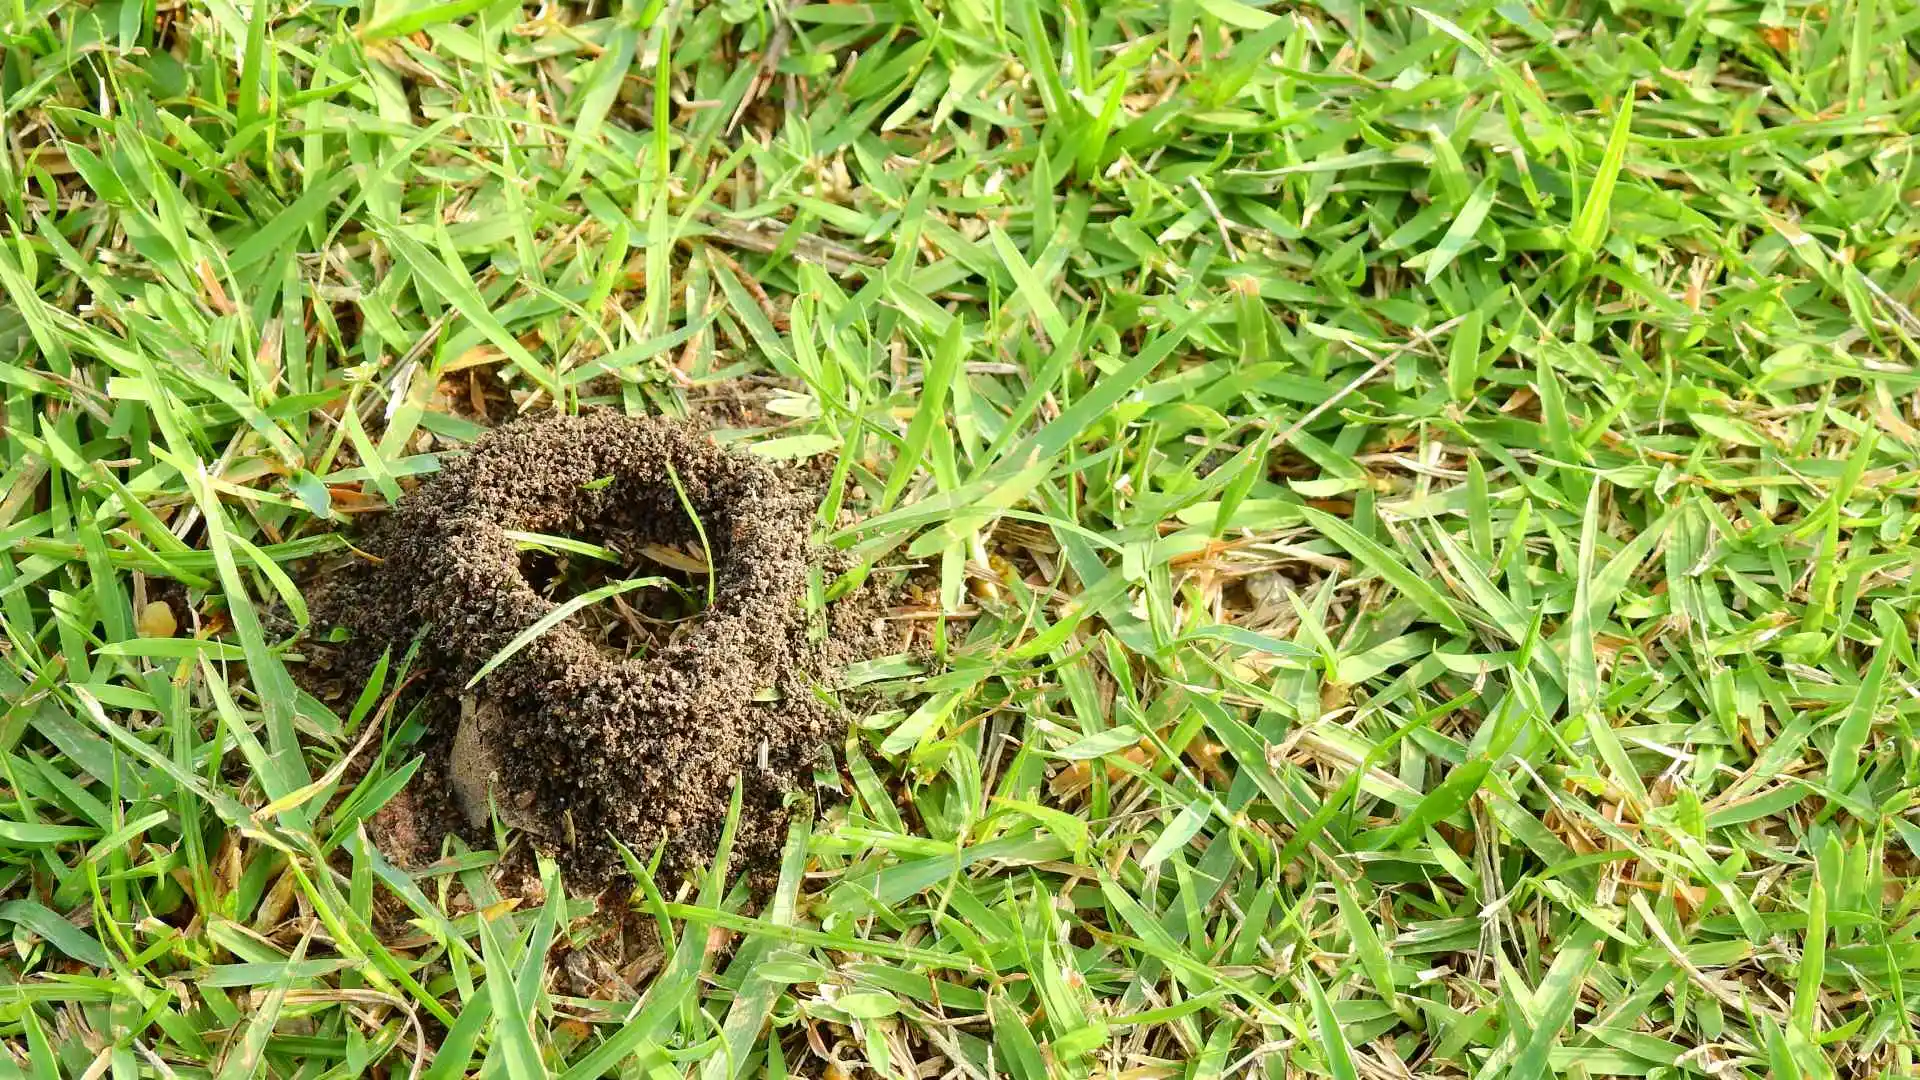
pixel 699 528
pixel 549 542
pixel 559 614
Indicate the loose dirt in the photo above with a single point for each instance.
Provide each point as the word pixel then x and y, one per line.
pixel 630 720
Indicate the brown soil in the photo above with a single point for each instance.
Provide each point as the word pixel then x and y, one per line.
pixel 621 722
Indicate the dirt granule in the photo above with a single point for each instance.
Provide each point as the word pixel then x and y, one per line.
pixel 581 739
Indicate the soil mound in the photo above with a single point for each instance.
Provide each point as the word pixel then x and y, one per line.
pixel 627 722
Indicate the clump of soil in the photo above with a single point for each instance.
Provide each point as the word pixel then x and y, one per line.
pixel 620 722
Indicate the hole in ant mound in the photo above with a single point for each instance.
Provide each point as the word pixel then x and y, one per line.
pixel 637 621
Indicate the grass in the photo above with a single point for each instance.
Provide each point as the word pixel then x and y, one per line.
pixel 1414 512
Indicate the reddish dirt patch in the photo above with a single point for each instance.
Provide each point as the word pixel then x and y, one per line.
pixel 619 723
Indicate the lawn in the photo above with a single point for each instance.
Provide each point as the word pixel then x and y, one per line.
pixel 1400 524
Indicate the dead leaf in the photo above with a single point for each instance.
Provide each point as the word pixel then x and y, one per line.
pixel 478 356
pixel 216 296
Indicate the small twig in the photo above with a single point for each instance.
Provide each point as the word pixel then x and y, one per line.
pixel 769 60
pixel 1218 220
pixel 1380 365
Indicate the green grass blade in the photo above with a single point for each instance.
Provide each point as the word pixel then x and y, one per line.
pixel 559 614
